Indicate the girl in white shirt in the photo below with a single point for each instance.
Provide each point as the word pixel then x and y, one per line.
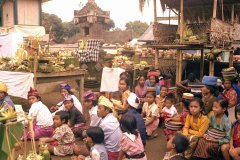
pixel 65 89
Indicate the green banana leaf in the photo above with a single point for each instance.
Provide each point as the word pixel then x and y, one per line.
pixel 14 132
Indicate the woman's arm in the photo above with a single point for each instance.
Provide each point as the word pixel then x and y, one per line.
pixel 47 140
pixel 231 139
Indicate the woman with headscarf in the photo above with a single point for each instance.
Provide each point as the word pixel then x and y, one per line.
pixel 41 115
pixel 153 81
pixel 5 100
pixel 65 89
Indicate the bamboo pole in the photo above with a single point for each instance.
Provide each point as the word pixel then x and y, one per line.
pixel 201 64
pixel 180 65
pixel 81 88
pixel 155 10
pixel 231 59
pixel 156 58
pixel 232 14
pixel 35 64
pixel 215 9
pixel 181 21
pixel 177 66
pixel 211 68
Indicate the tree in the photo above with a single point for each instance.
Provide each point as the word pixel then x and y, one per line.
pixel 117 29
pixel 59 30
pixel 137 27
pixel 110 25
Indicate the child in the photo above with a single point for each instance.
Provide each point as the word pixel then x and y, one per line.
pixel 65 89
pixel 209 146
pixel 235 138
pixel 43 120
pixel 180 117
pixel 76 119
pixel 150 111
pixel 133 103
pixel 90 103
pixel 110 127
pixel 94 141
pixel 62 141
pixel 131 143
pixel 123 87
pixel 141 90
pixel 195 126
pixel 161 98
pixel 177 145
pixel 169 110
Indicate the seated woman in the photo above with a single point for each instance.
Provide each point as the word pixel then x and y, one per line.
pixel 76 119
pixel 43 120
pixel 5 100
pixel 65 89
pixel 153 81
pixel 195 126
pixel 209 145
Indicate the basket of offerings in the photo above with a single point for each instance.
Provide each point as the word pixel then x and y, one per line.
pixel 215 133
pixel 229 73
pixel 173 125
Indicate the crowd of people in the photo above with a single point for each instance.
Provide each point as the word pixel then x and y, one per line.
pixel 120 124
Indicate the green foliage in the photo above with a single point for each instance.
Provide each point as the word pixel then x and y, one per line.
pixel 137 27
pixel 59 30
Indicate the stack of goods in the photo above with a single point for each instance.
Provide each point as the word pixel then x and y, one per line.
pixel 229 73
pixel 141 65
pixel 173 125
pixel 168 54
pixel 216 134
pixel 196 87
pixel 122 62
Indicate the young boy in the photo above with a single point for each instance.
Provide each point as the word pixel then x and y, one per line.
pixel 169 109
pixel 110 127
pixel 177 145
pixel 76 119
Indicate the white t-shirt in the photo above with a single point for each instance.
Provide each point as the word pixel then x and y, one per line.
pixel 95 120
pixel 41 113
pixel 76 103
pixel 172 111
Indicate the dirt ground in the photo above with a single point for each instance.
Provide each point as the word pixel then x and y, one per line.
pixel 155 148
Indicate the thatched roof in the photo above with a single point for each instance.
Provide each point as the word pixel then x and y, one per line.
pixel 89 8
pixel 201 10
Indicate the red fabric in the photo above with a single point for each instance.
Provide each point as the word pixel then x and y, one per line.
pixel 236 134
pixel 33 92
pixel 155 74
pixel 112 155
pixel 168 133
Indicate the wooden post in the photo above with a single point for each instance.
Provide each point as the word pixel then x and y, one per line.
pixel 155 10
pixel 177 66
pixel 232 14
pixel 215 9
pixel 180 65
pixel 81 88
pixel 201 64
pixel 211 68
pixel 35 66
pixel 156 58
pixel 181 21
pixel 231 59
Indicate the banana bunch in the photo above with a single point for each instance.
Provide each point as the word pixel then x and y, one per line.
pixel 9 113
pixel 210 56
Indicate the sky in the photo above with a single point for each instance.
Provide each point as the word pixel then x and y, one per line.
pixel 121 11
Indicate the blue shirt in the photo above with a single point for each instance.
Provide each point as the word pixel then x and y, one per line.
pixel 157 88
pixel 237 89
pixel 6 101
pixel 140 123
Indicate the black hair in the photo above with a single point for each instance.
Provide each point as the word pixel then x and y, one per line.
pixel 117 93
pixel 237 109
pixel 64 116
pixel 152 93
pixel 107 108
pixel 125 80
pixel 170 97
pixel 199 101
pixel 167 76
pixel 140 76
pixel 125 74
pixel 224 104
pixel 191 77
pixel 186 103
pixel 213 90
pixel 181 142
pixel 128 124
pixel 164 86
pixel 96 133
